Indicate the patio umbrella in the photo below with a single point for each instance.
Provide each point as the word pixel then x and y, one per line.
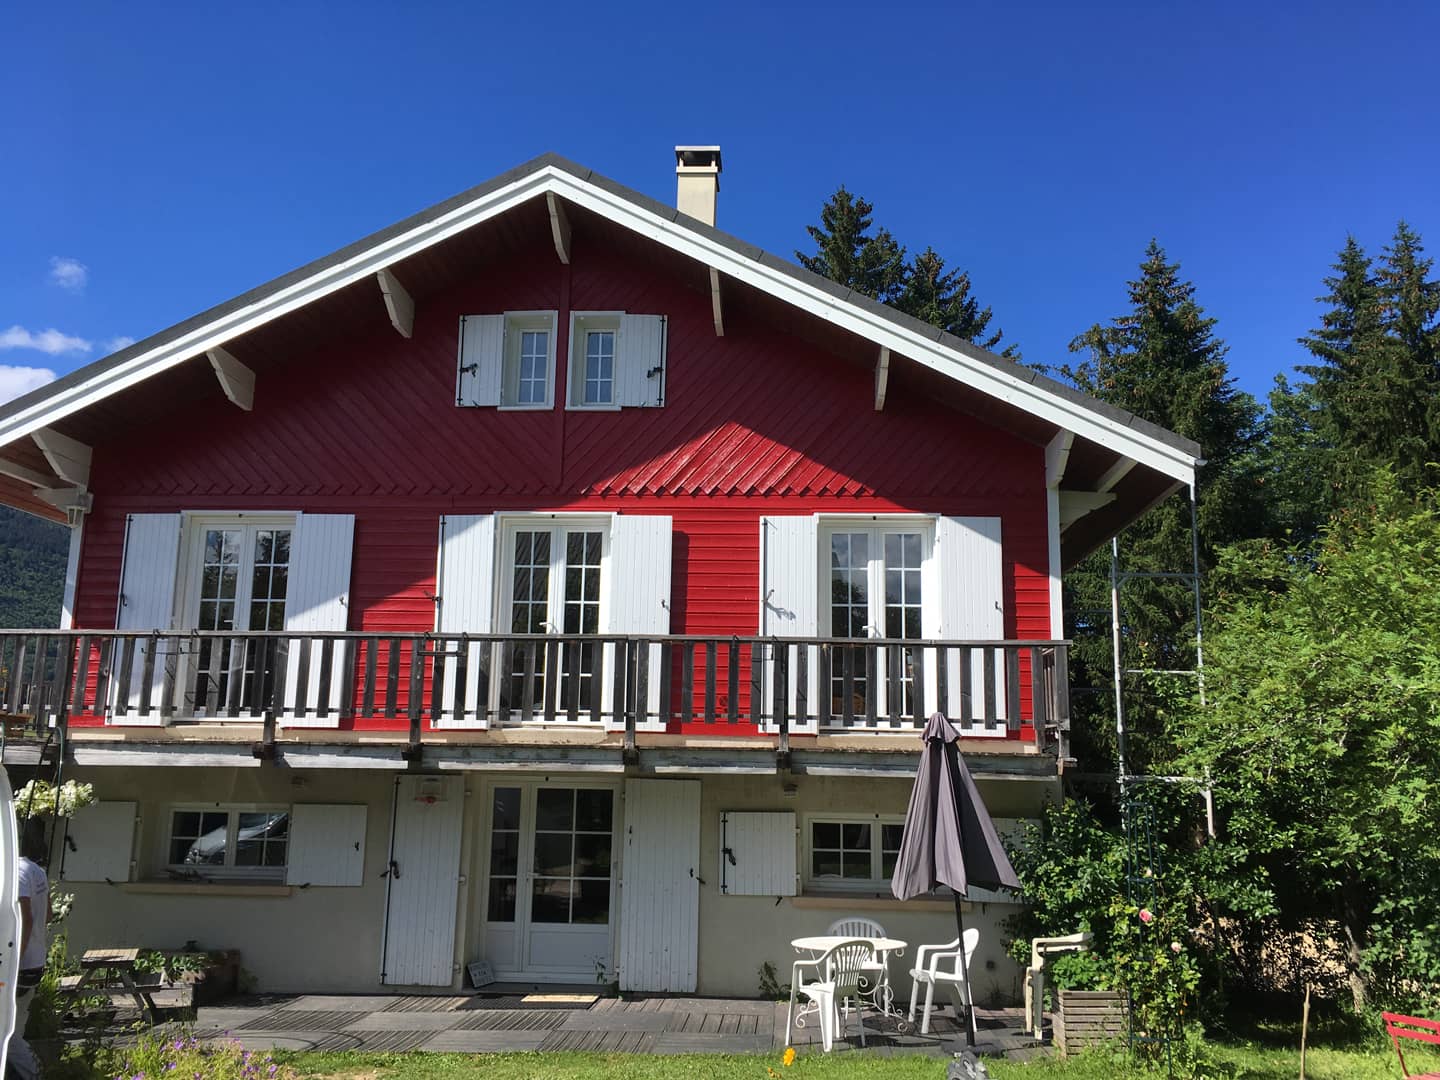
pixel 949 838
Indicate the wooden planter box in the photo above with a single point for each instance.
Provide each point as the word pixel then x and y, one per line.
pixel 1087 1017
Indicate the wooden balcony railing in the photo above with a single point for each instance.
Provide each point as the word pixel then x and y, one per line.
pixel 424 682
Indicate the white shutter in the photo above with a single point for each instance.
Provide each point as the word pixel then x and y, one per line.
pixel 660 892
pixel 790 605
pixel 150 564
pixel 641 351
pixel 482 353
pixel 971 607
pixel 99 842
pixel 757 853
pixel 639 594
pixel 318 600
pixel 327 845
pixel 465 583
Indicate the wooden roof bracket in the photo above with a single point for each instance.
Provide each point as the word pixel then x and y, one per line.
pixel 237 380
pixel 559 227
pixel 398 304
pixel 715 302
pixel 882 377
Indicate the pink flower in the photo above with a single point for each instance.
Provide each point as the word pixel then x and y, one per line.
pixel 1175 947
pixel 1145 915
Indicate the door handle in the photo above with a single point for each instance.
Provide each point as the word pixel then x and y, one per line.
pixel 393 871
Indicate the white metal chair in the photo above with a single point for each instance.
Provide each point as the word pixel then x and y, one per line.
pixel 876 974
pixel 952 974
pixel 839 974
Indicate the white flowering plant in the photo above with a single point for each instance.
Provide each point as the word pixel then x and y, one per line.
pixel 40 798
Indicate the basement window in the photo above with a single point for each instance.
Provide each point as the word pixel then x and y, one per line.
pixel 228 843
pixel 851 854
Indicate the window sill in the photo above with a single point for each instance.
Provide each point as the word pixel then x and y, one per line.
pixel 526 408
pixel 593 408
pixel 208 888
pixel 870 901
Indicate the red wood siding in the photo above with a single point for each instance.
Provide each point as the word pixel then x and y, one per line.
pixel 755 423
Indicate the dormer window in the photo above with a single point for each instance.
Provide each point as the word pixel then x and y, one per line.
pixel 596 361
pixel 529 376
pixel 616 360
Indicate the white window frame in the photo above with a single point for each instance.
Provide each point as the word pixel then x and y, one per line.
pixel 192 558
pixel 510 524
pixel 229 871
pixel 582 323
pixel 878 525
pixel 516 323
pixel 190 571
pixel 877 882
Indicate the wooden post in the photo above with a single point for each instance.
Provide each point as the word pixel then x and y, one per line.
pixel 1304 1029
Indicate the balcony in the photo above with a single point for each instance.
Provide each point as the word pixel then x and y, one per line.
pixel 427 689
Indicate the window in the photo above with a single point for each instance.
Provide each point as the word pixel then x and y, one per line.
pixel 852 853
pixel 571 879
pixel 238 582
pixel 594 356
pixel 874 588
pixel 551 584
pixel 529 367
pixel 234 842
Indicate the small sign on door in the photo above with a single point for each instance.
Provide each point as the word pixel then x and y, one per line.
pixel 481 973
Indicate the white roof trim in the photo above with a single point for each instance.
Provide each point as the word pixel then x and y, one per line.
pixel 997 383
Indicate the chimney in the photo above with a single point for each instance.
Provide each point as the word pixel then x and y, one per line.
pixel 697 181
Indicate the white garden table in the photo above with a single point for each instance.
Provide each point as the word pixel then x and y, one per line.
pixel 879 995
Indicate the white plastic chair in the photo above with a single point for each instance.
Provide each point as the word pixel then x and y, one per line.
pixel 839 974
pixel 952 975
pixel 877 973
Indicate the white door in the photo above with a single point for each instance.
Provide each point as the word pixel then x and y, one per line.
pixel 874 580
pixel 423 886
pixel 550 884
pixel 660 896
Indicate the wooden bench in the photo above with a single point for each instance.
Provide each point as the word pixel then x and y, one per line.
pixel 122 963
pixel 1412 1027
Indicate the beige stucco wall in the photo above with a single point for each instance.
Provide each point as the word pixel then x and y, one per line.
pixel 329 939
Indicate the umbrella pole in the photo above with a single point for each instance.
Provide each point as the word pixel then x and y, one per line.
pixel 965 972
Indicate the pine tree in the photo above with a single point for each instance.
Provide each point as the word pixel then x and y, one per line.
pixel 875 265
pixel 1162 361
pixel 943 299
pixel 846 253
pixel 1376 380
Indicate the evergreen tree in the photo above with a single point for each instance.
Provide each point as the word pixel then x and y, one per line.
pixel 1376 379
pixel 848 254
pixel 943 299
pixel 1162 361
pixel 875 265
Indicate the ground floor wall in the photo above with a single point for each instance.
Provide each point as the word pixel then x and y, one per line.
pixel 303 936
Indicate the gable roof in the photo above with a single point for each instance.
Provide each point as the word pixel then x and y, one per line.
pixel 1060 408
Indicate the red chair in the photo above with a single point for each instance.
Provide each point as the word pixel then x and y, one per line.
pixel 1412 1027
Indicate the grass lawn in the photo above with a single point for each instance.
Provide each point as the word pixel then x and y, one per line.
pixel 1238 1061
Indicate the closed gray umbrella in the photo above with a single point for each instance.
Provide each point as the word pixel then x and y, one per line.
pixel 949 838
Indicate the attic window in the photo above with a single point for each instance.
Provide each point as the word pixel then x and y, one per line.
pixel 528 381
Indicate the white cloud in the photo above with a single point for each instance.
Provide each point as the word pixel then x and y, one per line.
pixel 68 273
pixel 15 381
pixel 51 342
pixel 115 344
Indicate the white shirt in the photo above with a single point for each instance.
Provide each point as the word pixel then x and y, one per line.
pixel 35 891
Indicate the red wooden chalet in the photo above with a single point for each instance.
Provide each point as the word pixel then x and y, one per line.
pixel 552 580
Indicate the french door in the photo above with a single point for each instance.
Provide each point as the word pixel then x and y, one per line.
pixel 238 581
pixel 550 883
pixel 552 585
pixel 875 578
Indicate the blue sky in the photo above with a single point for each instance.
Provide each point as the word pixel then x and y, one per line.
pixel 163 158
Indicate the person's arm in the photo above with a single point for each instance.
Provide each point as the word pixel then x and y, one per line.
pixel 27 921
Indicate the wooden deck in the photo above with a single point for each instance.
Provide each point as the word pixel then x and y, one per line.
pixel 540 1022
